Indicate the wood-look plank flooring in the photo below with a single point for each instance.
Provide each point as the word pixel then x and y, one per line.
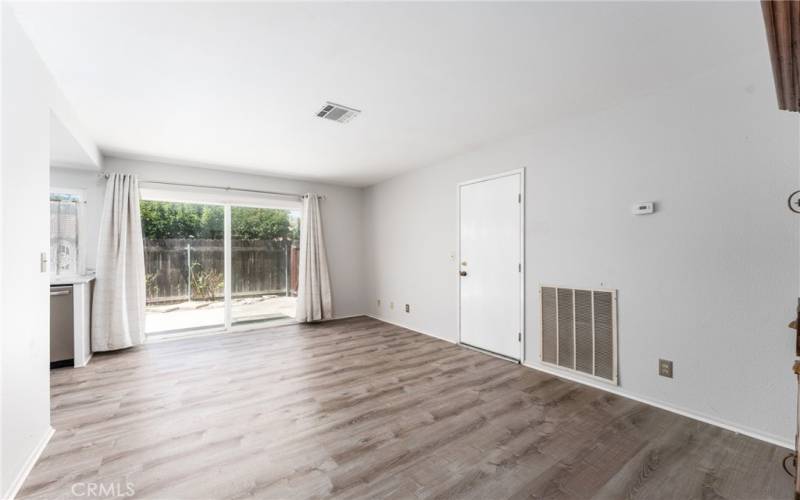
pixel 358 408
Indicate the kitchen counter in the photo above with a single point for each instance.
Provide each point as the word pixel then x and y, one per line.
pixel 75 279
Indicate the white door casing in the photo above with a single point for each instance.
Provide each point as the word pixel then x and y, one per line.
pixel 491 267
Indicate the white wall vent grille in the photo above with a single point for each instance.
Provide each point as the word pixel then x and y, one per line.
pixel 337 112
pixel 579 330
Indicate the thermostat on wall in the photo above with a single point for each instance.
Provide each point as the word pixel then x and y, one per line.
pixel 644 208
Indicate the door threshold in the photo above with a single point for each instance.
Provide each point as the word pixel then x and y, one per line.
pixel 183 334
pixel 205 332
pixel 490 353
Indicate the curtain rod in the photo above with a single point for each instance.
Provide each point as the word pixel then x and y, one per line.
pixel 227 188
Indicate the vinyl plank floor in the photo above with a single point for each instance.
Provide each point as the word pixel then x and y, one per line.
pixel 358 408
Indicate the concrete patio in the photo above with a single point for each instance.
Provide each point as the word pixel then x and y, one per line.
pixel 204 314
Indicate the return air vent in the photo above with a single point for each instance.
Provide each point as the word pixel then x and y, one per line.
pixel 337 112
pixel 579 330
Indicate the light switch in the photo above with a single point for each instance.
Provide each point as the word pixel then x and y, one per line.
pixel 643 208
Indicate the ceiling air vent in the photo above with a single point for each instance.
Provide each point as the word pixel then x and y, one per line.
pixel 337 112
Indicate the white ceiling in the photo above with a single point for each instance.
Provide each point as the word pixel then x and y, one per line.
pixel 239 84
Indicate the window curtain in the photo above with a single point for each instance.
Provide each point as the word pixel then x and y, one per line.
pixel 314 283
pixel 119 295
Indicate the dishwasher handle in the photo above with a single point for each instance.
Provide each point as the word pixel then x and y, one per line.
pixel 60 291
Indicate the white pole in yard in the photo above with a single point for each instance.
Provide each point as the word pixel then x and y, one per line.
pixel 189 263
pixel 286 266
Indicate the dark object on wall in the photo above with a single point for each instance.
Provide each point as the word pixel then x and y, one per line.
pixel 796 325
pixel 794 206
pixel 782 20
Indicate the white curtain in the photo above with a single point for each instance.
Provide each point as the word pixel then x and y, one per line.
pixel 314 283
pixel 119 294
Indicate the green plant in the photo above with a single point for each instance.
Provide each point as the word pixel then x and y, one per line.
pixel 150 284
pixel 259 223
pixel 167 220
pixel 206 283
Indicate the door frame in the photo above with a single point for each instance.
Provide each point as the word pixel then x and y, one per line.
pixel 521 172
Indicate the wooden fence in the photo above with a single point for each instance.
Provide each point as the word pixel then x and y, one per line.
pixel 257 267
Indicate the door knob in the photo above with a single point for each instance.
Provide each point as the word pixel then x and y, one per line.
pixel 463 273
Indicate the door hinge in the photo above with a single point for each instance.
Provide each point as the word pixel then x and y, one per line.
pixel 519 337
pixel 519 198
pixel 519 267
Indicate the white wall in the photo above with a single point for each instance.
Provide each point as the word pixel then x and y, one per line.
pixel 29 96
pixel 341 213
pixel 709 281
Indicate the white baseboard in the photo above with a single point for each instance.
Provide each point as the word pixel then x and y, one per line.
pixel 401 325
pixel 755 434
pixel 16 485
pixel 614 389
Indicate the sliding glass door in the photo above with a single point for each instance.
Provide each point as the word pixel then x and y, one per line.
pixel 218 265
pixel 264 257
pixel 184 266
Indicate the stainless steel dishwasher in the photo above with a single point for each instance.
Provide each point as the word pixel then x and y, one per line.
pixel 62 349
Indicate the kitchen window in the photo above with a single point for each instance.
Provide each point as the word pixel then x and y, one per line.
pixel 66 209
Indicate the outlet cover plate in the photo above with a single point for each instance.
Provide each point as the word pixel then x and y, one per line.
pixel 665 368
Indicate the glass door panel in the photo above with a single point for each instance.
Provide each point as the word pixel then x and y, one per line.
pixel 264 260
pixel 184 265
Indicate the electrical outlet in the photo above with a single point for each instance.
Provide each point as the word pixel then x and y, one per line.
pixel 391 305
pixel 408 308
pixel 379 302
pixel 665 368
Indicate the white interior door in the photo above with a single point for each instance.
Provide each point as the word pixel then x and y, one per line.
pixel 490 255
